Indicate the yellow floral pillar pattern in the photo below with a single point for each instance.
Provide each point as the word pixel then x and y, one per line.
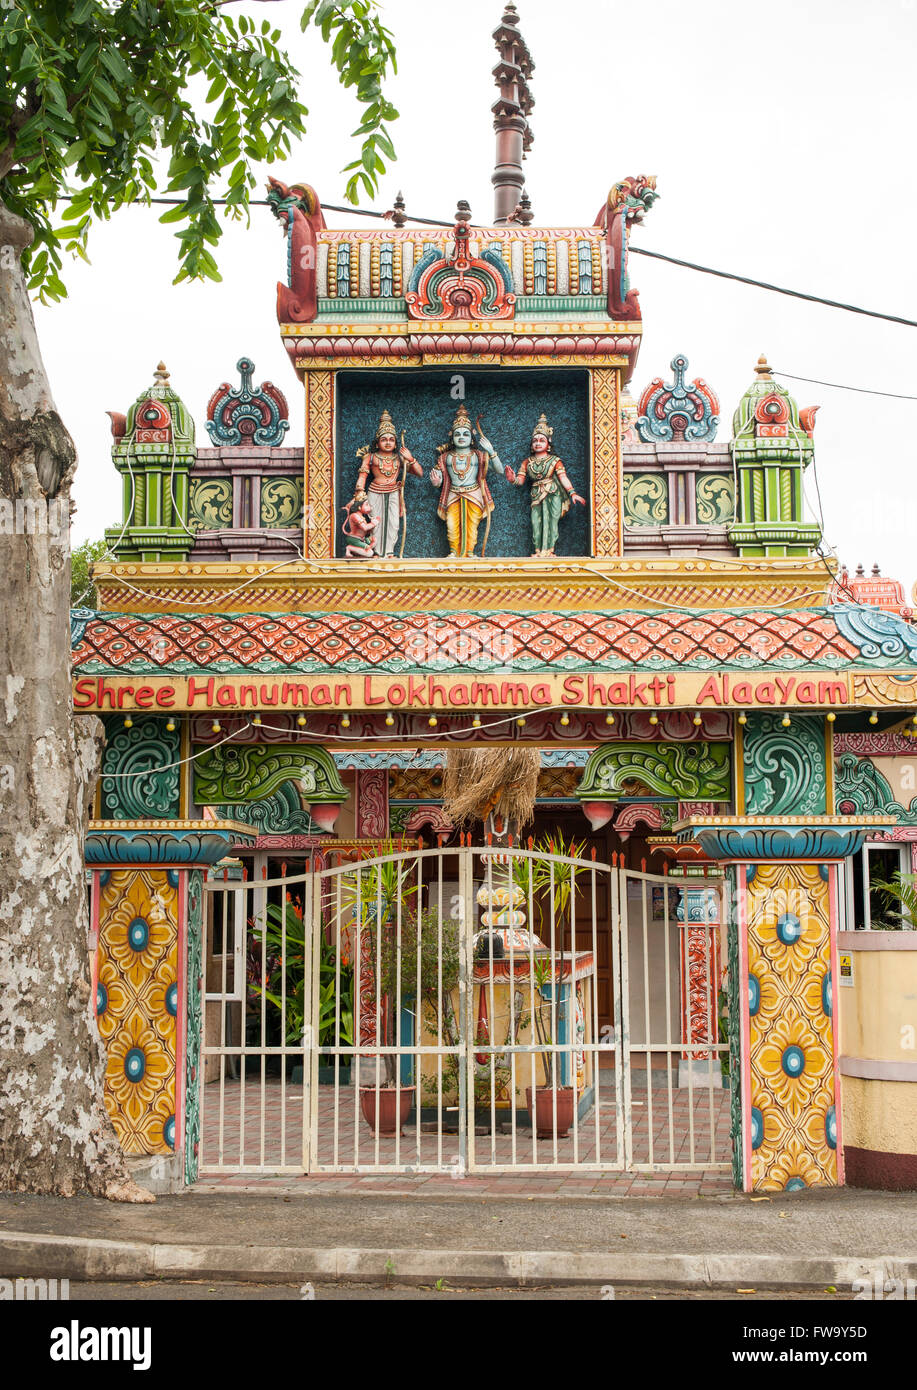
pixel 137 1003
pixel 792 1132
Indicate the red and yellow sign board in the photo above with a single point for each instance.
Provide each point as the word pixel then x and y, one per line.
pixel 423 691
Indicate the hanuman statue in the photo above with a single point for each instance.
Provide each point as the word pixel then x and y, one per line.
pixel 380 483
pixel 460 472
pixel 552 491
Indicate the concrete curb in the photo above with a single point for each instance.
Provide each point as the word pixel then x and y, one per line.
pixel 25 1254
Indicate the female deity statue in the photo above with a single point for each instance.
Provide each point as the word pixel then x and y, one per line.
pixel 552 491
pixel 380 482
pixel 460 473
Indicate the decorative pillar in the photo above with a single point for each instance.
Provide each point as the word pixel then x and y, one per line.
pixel 783 961
pixel 147 919
pixel 372 804
pixel 699 914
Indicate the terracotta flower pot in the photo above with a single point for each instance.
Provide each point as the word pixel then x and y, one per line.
pixel 394 1107
pixel 543 1116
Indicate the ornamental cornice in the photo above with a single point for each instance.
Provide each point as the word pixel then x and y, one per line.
pixel 811 839
pixel 524 585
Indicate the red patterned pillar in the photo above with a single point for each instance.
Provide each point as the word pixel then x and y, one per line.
pixel 372 805
pixel 699 913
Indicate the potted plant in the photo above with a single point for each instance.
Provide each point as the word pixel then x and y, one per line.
pixel 552 1097
pixel 284 936
pixel 384 906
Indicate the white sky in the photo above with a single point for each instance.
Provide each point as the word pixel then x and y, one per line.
pixel 781 137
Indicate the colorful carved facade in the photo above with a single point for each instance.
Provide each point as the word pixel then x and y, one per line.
pixel 692 670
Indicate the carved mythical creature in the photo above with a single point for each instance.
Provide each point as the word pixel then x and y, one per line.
pixel 297 207
pixel 625 207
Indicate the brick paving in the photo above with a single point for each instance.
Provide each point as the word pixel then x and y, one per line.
pixel 272 1146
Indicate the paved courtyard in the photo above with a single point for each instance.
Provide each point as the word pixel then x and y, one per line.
pixel 265 1134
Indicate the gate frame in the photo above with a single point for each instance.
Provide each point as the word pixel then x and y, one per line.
pixel 314 882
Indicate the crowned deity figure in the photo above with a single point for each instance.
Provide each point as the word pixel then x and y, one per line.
pixel 460 472
pixel 552 491
pixel 380 483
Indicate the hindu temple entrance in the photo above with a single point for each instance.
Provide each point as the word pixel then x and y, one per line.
pixel 441 1010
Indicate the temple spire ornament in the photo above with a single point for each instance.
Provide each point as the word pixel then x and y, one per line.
pixel 511 112
pixel 674 411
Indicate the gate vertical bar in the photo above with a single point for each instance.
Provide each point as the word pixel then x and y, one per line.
pixel 619 938
pixel 311 914
pixel 466 1005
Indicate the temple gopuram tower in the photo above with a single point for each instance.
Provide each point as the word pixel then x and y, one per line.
pixel 494 535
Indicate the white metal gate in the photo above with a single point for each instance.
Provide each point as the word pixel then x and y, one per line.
pixel 464 1010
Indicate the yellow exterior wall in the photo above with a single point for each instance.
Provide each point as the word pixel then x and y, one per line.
pixel 878 1022
pixel 878 1012
pixel 879 1115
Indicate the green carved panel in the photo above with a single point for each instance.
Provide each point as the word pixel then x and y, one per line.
pixel 687 771
pixel 715 498
pixel 397 819
pixel 860 789
pixel 140 772
pixel 646 499
pixel 785 771
pixel 233 774
pixel 211 503
pixel 281 501
pixel 194 938
pixel 280 814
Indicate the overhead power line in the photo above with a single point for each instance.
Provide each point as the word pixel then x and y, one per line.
pixel 774 289
pixel 839 386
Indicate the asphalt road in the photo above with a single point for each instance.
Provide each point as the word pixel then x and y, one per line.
pixel 204 1291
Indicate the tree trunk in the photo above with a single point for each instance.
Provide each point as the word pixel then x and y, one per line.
pixel 55 1133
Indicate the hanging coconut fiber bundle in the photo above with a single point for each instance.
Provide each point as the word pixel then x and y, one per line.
pixel 491 781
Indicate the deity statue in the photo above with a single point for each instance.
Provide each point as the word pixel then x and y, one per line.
pixel 552 491
pixel 380 483
pixel 460 473
pixel 359 527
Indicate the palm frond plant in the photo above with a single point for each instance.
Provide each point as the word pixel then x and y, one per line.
pixel 900 895
pixel 553 878
pixel 285 941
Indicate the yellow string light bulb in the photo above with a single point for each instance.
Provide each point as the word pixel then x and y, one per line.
pixel 170 727
pixel 743 718
pixel 216 726
pixel 698 718
pixel 389 719
pixel 873 718
pixel 257 721
pixel 345 721
pixel 128 722
pixel 831 716
pixel 654 718
pixel 565 719
pixel 786 721
pixel 521 719
pixel 301 721
pixel 476 722
pixel 609 719
pixel 433 721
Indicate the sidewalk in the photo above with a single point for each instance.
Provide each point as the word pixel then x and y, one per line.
pixel 799 1239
